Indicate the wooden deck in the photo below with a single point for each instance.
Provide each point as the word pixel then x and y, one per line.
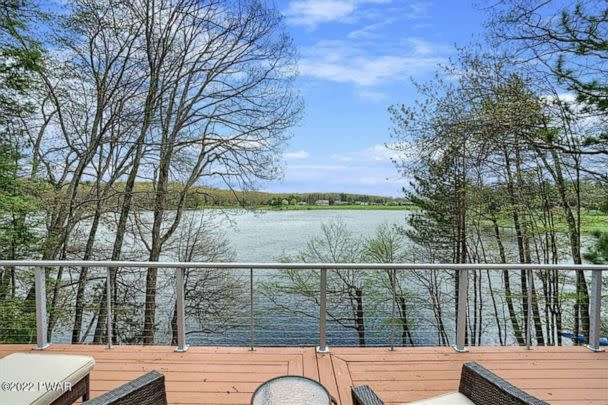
pixel 228 375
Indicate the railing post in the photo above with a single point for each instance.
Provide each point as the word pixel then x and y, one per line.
pixel 251 313
pixel 180 309
pixel 41 318
pixel 109 306
pixel 596 305
pixel 322 348
pixel 529 276
pixel 461 320
pixel 393 314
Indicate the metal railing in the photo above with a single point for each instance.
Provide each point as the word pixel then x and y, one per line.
pixel 180 267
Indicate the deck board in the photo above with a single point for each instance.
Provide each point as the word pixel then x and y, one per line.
pixel 229 375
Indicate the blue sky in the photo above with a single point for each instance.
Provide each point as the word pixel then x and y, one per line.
pixel 356 58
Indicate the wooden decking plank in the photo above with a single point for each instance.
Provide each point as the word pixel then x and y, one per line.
pixel 415 357
pixel 153 349
pixel 538 367
pixel 295 366
pixel 452 384
pixel 343 380
pixel 311 368
pixel 225 375
pixel 413 375
pixel 191 377
pixel 447 349
pixel 183 386
pixel 227 367
pixel 206 398
pixel 187 357
pixel 570 394
pixel 327 376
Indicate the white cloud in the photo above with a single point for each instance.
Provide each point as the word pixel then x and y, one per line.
pixel 421 47
pixel 368 170
pixel 373 96
pixel 342 62
pixel 417 9
pixel 314 12
pixel 368 64
pixel 370 31
pixel 297 155
pixel 368 55
pixel 375 153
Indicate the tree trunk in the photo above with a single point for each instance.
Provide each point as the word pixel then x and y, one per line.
pixel 82 278
pixel 359 319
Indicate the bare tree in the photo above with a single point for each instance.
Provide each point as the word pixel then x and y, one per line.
pixel 210 294
pixel 387 246
pixel 345 288
pixel 224 105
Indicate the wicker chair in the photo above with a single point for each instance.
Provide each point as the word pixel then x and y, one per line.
pixel 149 389
pixel 478 384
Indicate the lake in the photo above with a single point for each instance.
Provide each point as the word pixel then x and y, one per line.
pixel 269 235
pixel 266 236
pixel 218 305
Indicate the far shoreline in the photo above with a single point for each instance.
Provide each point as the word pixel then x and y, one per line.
pixel 339 207
pixel 313 207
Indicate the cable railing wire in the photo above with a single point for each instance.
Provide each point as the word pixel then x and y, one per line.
pixel 249 313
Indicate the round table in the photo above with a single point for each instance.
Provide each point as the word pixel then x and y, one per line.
pixel 291 390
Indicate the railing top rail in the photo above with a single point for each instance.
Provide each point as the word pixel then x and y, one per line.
pixel 298 266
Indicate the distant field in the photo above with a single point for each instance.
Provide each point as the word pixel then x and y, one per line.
pixel 591 220
pixel 594 221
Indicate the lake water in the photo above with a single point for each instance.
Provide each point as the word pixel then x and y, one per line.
pixel 283 317
pixel 266 236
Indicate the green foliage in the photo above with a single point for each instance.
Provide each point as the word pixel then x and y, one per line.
pixel 20 59
pixel 386 246
pixel 17 324
pixel 603 204
pixel 582 35
pixel 204 197
pixel 598 254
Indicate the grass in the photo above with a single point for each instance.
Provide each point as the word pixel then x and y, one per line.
pixel 591 220
pixel 594 221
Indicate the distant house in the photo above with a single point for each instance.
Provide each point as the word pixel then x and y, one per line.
pixel 322 202
pixel 302 203
pixel 340 202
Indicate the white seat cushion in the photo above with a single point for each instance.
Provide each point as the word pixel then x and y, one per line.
pixel 453 398
pixel 39 372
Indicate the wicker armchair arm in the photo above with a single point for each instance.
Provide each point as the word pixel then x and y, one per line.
pixel 484 387
pixel 149 389
pixel 364 395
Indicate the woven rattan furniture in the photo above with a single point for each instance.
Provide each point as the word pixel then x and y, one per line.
pixel 477 386
pixel 149 389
